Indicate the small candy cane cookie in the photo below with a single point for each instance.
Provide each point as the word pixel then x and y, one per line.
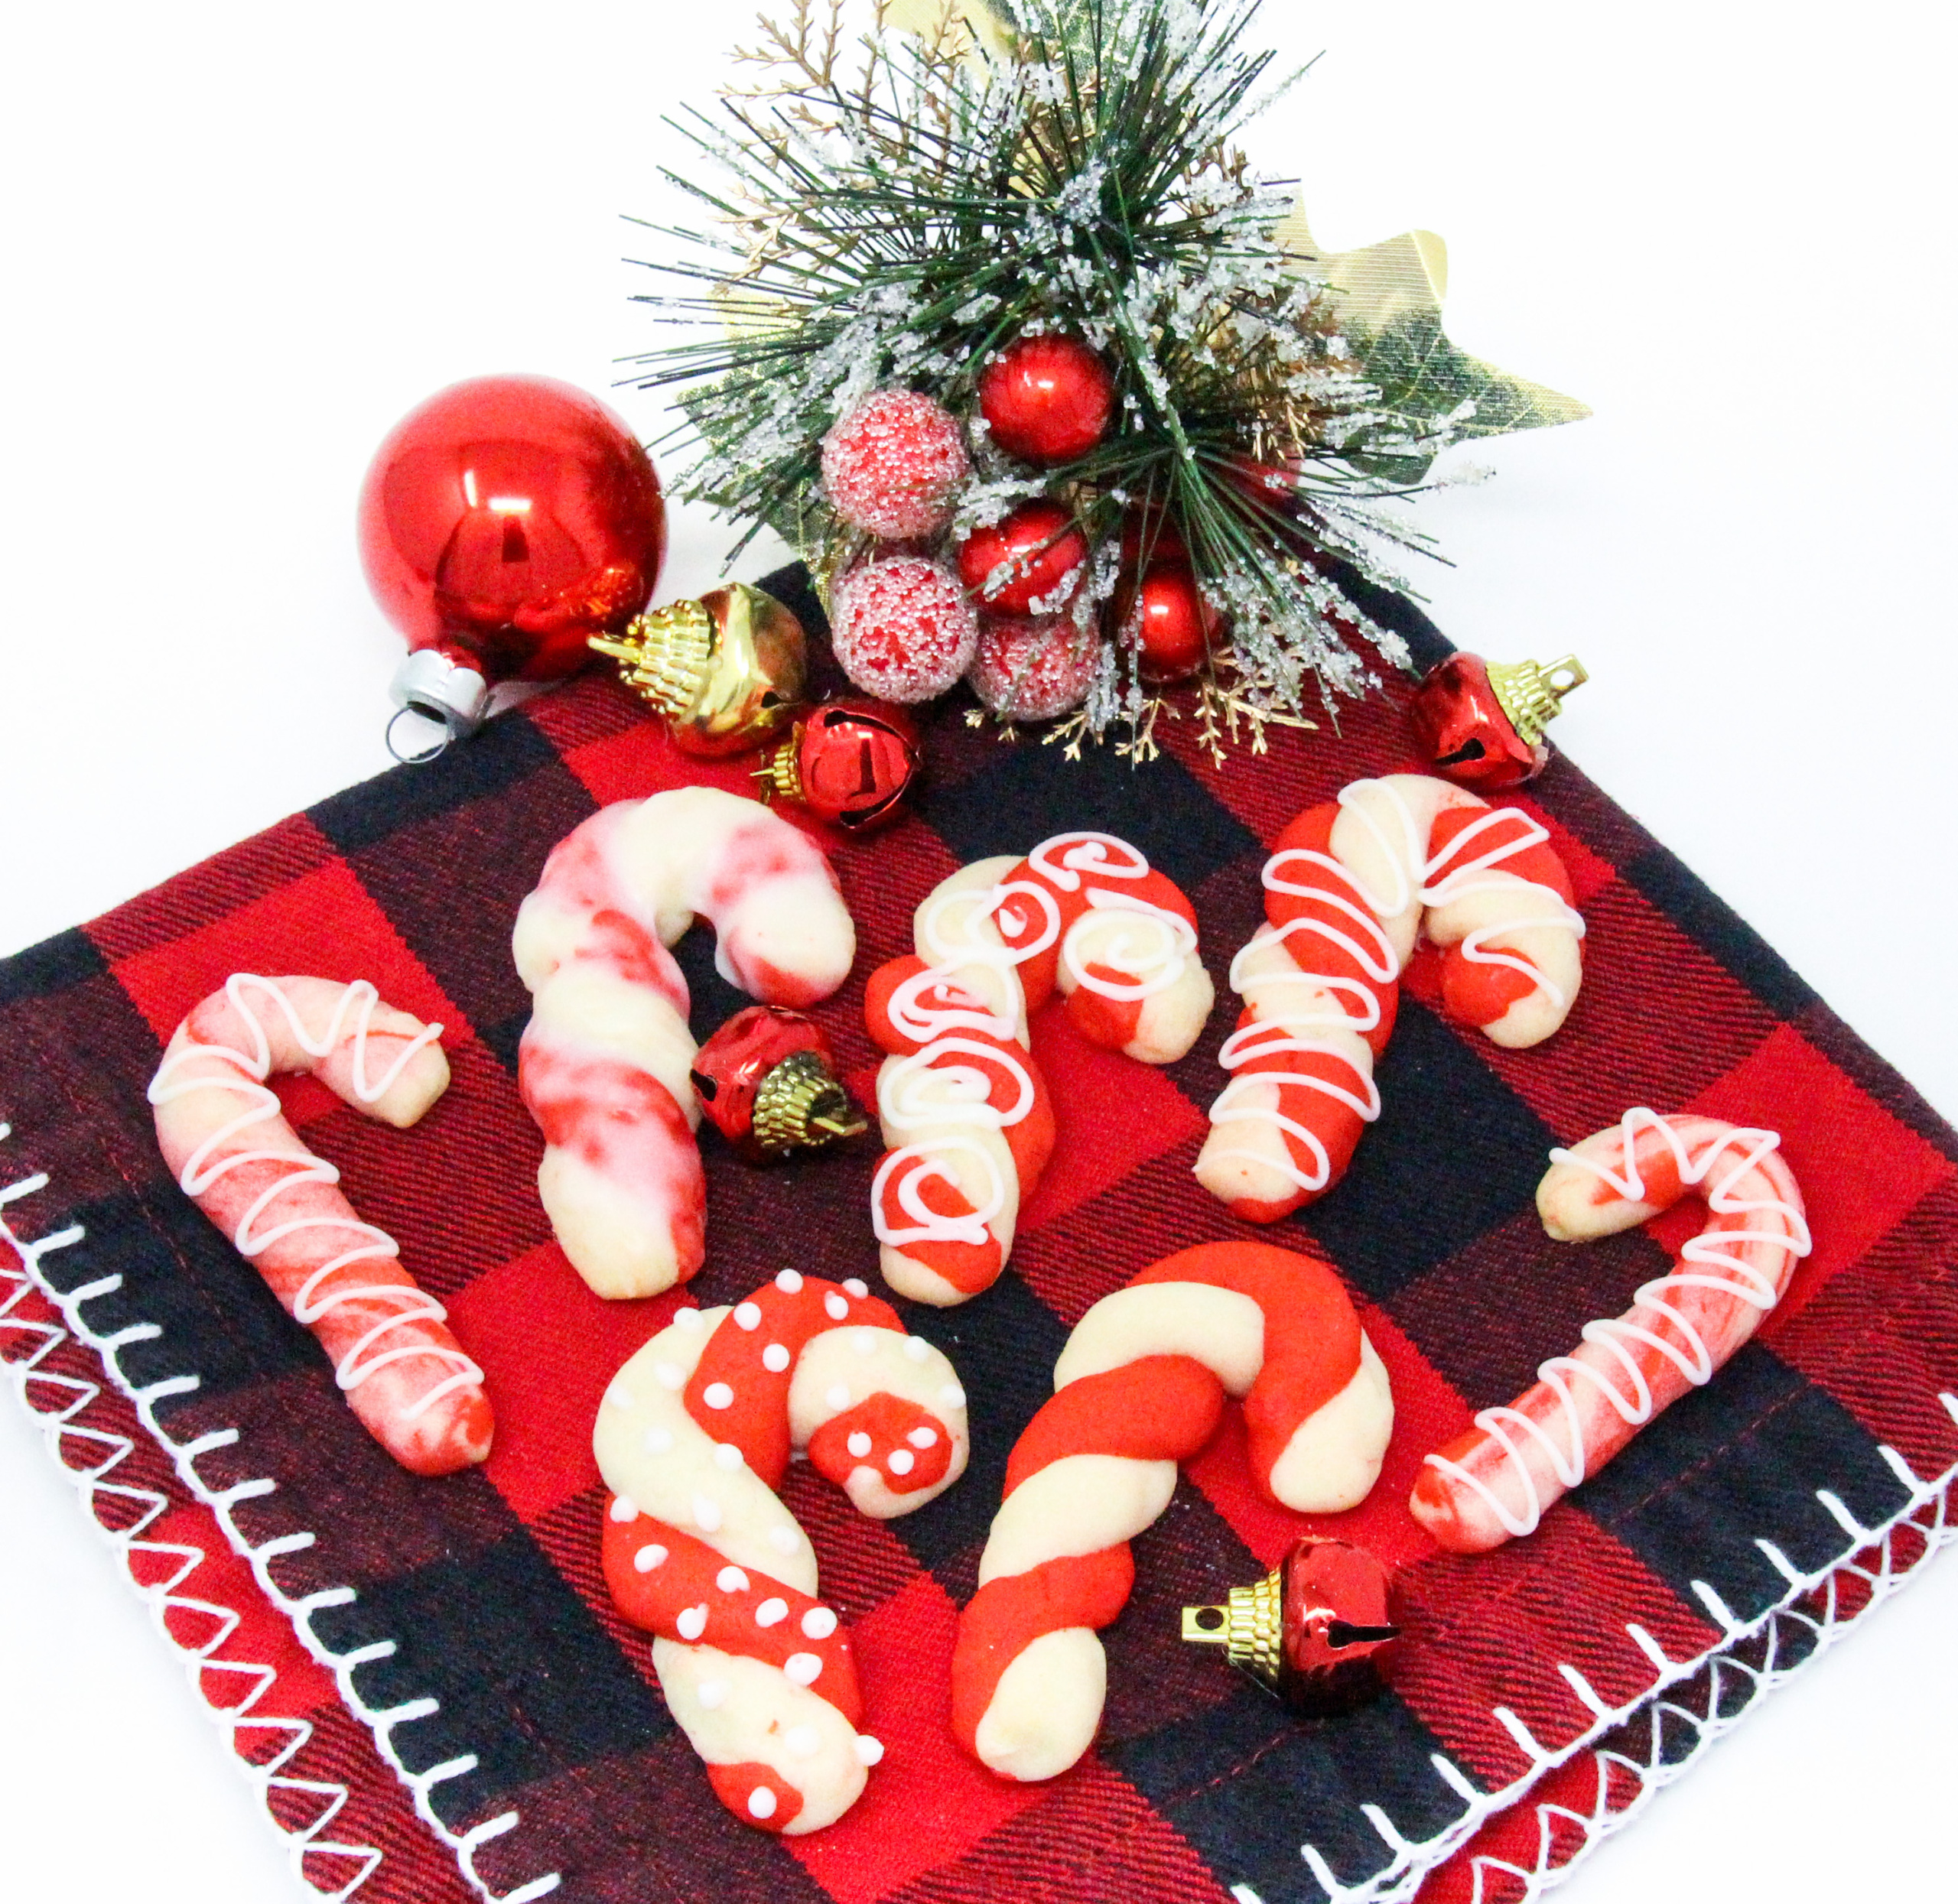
pixel 604 1063
pixel 1139 1388
pixel 1494 1482
pixel 1350 885
pixel 222 1131
pixel 693 1438
pixel 967 1122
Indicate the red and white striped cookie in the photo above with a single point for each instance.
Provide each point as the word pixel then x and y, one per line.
pixel 1349 887
pixel 966 1122
pixel 1139 1388
pixel 223 1134
pixel 604 1063
pixel 693 1438
pixel 1493 1482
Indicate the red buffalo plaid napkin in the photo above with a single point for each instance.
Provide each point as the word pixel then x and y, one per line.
pixel 386 1649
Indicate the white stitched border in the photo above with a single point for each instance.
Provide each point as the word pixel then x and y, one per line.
pixel 59 1427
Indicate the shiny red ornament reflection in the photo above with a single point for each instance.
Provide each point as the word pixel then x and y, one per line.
pixel 1178 628
pixel 1464 732
pixel 851 762
pixel 767 1081
pixel 506 520
pixel 1040 541
pixel 1046 400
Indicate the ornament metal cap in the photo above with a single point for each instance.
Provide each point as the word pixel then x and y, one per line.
pixel 801 1107
pixel 727 671
pixel 1532 695
pixel 1250 1626
pixel 441 689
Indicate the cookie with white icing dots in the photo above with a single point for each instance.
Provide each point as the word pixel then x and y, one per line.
pixel 693 1438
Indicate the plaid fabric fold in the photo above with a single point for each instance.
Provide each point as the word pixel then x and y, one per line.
pixel 465 1619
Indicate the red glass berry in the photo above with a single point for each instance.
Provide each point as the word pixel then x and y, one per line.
pixel 1040 546
pixel 892 465
pixel 901 627
pixel 767 1082
pixel 1047 400
pixel 851 762
pixel 1033 670
pixel 1178 628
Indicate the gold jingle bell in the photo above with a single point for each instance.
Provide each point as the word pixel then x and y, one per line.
pixel 727 671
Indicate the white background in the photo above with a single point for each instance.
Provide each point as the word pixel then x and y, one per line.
pixel 243 240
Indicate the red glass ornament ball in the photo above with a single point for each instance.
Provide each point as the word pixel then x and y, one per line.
pixel 1178 627
pixel 507 519
pixel 901 627
pixel 1463 733
pixel 1033 670
pixel 729 1068
pixel 1338 1631
pixel 1047 400
pixel 892 466
pixel 856 760
pixel 1040 545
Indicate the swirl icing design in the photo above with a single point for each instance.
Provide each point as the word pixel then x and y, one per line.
pixel 1348 888
pixel 1494 1484
pixel 965 1113
pixel 224 1133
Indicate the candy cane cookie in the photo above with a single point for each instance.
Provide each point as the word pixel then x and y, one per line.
pixel 1493 1482
pixel 693 1438
pixel 1348 888
pixel 1139 1388
pixel 967 1125
pixel 603 1065
pixel 223 1134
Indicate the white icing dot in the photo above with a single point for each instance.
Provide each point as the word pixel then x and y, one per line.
pixel 922 1437
pixel 625 1509
pixel 711 1693
pixel 748 1315
pixel 688 1319
pixel 691 1623
pixel 857 1286
pixel 784 1540
pixel 669 1376
pixel 867 1340
pixel 917 1348
pixel 819 1623
pixel 869 1750
pixel 835 1307
pixel 726 1455
pixel 717 1395
pixel 731 1580
pixel 775 1358
pixel 803 1668
pixel 952 1396
pixel 707 1514
pixel 838 1396
pixel 761 1802
pixel 620 1395
pixel 771 1613
pixel 647 1558
pixel 789 1282
pixel 802 1740
pixel 659 1441
pixel 901 1461
pixel 859 1445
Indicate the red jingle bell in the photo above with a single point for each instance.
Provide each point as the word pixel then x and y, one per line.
pixel 1480 723
pixel 1176 627
pixel 851 762
pixel 767 1082
pixel 1039 547
pixel 1047 400
pixel 1319 1630
pixel 503 523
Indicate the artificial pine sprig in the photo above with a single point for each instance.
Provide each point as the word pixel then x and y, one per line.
pixel 892 210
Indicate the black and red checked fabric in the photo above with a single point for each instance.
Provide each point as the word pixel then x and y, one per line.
pixel 482 1592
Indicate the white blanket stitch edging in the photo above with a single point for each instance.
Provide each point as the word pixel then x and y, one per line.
pixel 184 1455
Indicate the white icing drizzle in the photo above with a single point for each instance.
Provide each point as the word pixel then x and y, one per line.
pixel 934 1006
pixel 1707 1263
pixel 261 1106
pixel 1443 877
